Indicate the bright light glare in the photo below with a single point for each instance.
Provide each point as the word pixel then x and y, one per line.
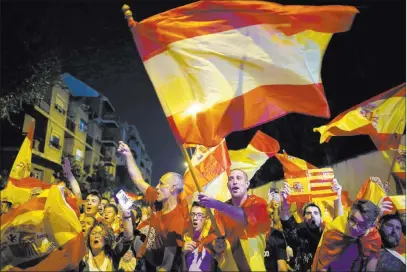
pixel 194 109
pixel 185 164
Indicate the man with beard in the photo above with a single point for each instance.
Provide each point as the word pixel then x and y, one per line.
pixel 163 246
pixel 245 222
pixel 390 229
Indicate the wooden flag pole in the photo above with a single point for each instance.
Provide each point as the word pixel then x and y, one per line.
pixel 130 20
pixel 208 211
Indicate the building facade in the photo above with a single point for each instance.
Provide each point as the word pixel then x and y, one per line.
pixel 130 135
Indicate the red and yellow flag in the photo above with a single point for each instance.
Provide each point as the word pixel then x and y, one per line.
pixel 224 66
pixel 382 117
pixel 372 189
pixel 22 164
pixel 43 234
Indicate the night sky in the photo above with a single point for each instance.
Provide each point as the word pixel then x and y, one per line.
pixel 361 63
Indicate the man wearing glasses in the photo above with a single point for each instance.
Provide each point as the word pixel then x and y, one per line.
pixel 196 254
pixel 351 242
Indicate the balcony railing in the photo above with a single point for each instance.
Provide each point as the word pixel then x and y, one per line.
pixel 70 124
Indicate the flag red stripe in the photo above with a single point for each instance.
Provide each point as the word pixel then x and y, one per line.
pixel 264 143
pixel 35 204
pixel 321 188
pixel 214 124
pixel 154 34
pixel 29 183
pixel 323 195
pixel 320 180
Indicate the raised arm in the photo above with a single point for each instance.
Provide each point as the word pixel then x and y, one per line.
pixel 76 190
pixel 132 168
pixel 338 207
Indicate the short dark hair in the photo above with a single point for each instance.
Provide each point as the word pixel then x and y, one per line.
pixel 312 204
pixel 368 210
pixel 116 210
pixel 388 217
pixel 95 193
pixel 104 198
pixel 197 204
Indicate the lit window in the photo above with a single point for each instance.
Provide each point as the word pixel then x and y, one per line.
pixel 83 126
pixel 54 140
pixel 78 155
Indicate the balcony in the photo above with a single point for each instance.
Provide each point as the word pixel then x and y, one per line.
pixel 108 160
pixel 44 105
pixel 109 120
pixel 70 124
pixel 89 140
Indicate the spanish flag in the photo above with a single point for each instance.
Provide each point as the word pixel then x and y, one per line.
pixel 22 164
pixel 382 117
pixel 372 189
pixel 43 234
pixel 224 66
pixel 399 167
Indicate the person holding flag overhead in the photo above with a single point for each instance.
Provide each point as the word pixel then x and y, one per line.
pixel 245 222
pixel 163 246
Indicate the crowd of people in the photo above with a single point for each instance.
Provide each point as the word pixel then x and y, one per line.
pixel 246 233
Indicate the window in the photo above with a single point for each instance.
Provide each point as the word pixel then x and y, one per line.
pixel 54 140
pixel 78 155
pixel 83 126
pixel 60 104
pixel 38 173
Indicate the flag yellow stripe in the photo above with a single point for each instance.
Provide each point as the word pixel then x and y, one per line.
pixel 206 70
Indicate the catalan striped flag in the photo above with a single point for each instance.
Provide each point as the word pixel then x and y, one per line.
pixel 312 185
pixel 382 117
pixel 43 234
pixel 224 66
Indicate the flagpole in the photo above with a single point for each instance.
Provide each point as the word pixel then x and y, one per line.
pixel 191 170
pixel 130 20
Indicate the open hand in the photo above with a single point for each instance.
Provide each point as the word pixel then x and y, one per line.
pixel 385 206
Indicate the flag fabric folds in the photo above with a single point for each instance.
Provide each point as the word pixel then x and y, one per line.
pixel 22 164
pixel 250 159
pixel 43 234
pixel 372 189
pixel 382 117
pixel 224 66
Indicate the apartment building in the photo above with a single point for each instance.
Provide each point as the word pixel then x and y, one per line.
pixel 130 135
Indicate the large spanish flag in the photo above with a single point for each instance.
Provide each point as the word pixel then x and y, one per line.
pixel 223 66
pixel 22 164
pixel 382 117
pixel 372 189
pixel 43 234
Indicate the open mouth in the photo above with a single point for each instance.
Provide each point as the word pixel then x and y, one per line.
pixel 235 189
pixel 88 209
pixel 96 241
pixel 194 224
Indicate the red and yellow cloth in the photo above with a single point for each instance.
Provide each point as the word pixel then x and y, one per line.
pixel 334 242
pixel 245 244
pixel 43 234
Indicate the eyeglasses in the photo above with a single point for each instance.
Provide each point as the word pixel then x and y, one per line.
pixel 356 225
pixel 198 215
pixel 94 233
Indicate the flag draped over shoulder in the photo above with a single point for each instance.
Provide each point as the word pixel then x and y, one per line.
pixel 43 234
pixel 22 164
pixel 382 117
pixel 223 66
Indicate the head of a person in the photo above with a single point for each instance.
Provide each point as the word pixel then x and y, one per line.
pixel 103 204
pixel 110 214
pixel 100 237
pixel 402 216
pixel 238 183
pixel 362 217
pixel 311 216
pixel 198 216
pixel 390 229
pixel 5 206
pixel 87 223
pixel 92 203
pixel 170 186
